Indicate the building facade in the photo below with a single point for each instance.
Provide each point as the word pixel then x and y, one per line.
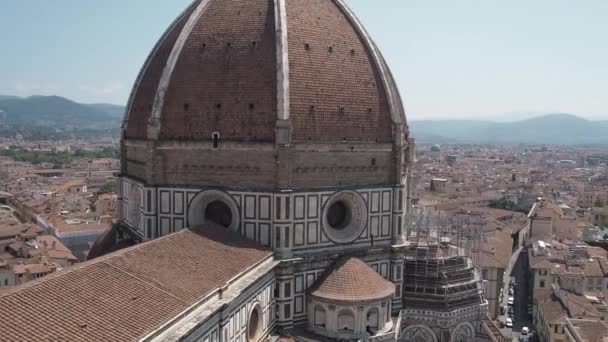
pixel 275 126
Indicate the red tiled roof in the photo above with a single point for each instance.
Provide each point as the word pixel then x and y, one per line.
pixel 128 294
pixel 352 280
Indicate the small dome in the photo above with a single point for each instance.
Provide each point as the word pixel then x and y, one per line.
pixel 353 280
pixel 435 148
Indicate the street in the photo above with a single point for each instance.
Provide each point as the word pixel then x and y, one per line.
pixel 520 306
pixel 522 296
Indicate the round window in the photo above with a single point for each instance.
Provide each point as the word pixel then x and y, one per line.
pixel 213 206
pixel 338 215
pixel 344 216
pixel 219 212
pixel 254 326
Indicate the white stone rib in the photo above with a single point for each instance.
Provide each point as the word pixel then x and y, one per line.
pixel 280 15
pixel 144 69
pixel 396 106
pixel 159 100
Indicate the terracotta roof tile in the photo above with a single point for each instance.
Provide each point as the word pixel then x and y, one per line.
pixel 352 280
pixel 127 294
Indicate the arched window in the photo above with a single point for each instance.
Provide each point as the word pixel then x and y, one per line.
pixel 372 321
pixel 346 320
pixel 319 317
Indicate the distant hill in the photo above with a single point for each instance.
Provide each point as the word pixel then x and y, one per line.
pixel 57 112
pixel 6 97
pixel 115 111
pixel 558 129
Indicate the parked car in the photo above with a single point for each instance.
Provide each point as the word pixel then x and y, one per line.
pixel 503 309
pixel 509 323
pixel 511 300
pixel 511 291
pixel 510 312
pixel 512 282
pixel 525 335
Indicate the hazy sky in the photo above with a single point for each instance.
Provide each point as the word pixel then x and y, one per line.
pixel 451 59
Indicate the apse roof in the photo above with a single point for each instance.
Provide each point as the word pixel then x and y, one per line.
pixel 352 280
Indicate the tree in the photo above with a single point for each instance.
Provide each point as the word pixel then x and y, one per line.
pixel 109 187
pixel 598 203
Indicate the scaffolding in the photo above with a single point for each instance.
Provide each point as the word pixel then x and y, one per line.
pixel 439 260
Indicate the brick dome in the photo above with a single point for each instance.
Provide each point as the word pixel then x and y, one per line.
pixel 352 280
pixel 267 72
pixel 223 67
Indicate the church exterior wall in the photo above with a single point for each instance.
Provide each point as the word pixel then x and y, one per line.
pixel 445 326
pixel 230 324
pixel 254 165
pixel 291 222
pixel 299 275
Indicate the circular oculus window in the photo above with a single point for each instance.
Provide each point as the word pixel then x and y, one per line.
pixel 254 325
pixel 344 217
pixel 214 206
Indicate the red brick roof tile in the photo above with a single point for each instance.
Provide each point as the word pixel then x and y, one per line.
pixel 128 294
pixel 352 280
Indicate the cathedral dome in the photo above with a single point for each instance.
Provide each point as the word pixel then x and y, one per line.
pixel 257 73
pixel 353 280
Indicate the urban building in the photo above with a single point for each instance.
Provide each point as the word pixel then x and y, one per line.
pixel 253 207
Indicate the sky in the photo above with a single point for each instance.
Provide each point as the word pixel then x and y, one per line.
pixel 465 59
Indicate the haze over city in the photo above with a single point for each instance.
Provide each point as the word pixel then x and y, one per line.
pixel 452 59
pixel 303 170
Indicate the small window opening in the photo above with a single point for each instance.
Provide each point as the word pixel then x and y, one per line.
pixel 229 44
pixel 218 106
pixel 369 110
pixel 339 215
pixel 330 49
pixel 352 52
pixel 251 106
pixel 373 161
pixel 219 213
pixel 307 46
pixel 254 43
pixel 341 110
pixel 216 139
pixel 186 106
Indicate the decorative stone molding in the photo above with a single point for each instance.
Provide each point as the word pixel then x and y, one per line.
pixel 354 217
pixel 196 209
pixel 463 332
pixel 416 333
pixel 255 322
